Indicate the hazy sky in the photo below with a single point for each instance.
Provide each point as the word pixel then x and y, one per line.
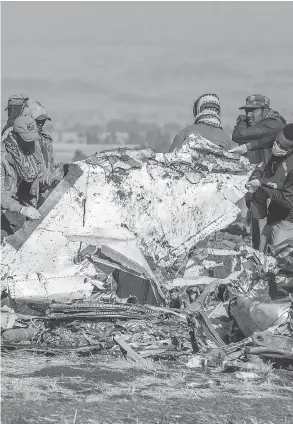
pixel 148 60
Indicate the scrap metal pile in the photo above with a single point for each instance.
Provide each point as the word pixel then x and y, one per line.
pixel 132 256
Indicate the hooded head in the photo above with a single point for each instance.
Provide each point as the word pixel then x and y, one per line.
pixel 207 110
pixel 17 99
pixel 284 142
pixel 15 106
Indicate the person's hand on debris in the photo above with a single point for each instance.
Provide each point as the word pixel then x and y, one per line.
pixel 30 212
pixel 240 150
pixel 253 185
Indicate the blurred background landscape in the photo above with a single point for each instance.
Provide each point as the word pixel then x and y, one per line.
pixel 128 73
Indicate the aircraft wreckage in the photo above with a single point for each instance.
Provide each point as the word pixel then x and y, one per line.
pixel 99 272
pixel 145 209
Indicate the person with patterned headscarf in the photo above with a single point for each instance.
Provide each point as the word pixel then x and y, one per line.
pixel 207 123
pixel 23 174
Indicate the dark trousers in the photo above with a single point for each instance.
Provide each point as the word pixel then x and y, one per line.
pixel 10 223
pixel 257 226
pixel 275 234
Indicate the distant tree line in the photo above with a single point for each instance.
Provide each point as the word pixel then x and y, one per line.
pixel 144 134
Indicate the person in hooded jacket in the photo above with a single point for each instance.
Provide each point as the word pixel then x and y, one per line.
pixel 207 123
pixel 23 174
pixel 256 131
pixel 271 187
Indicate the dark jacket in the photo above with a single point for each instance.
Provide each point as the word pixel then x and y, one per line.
pixel 214 134
pixel 276 178
pixel 260 137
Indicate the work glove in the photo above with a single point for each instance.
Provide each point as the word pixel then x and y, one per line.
pixel 240 150
pixel 30 212
pixel 253 185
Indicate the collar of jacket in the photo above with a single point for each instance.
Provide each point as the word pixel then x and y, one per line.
pixel 43 134
pixel 6 133
pixel 271 113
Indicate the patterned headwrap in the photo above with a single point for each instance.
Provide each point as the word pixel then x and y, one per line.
pixel 207 110
pixel 29 165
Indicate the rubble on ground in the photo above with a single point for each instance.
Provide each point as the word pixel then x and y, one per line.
pixel 150 280
pixel 209 322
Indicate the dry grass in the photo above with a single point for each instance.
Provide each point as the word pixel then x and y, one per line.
pixel 260 421
pixel 28 362
pixel 156 384
pixel 30 388
pixel 153 380
pixel 265 371
pixel 164 385
pixel 147 365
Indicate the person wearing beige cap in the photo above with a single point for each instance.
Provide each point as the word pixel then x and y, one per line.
pixel 271 191
pixel 23 173
pixel 37 111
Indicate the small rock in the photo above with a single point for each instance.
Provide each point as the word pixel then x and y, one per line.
pixel 246 375
pixel 204 384
pixel 195 362
pixel 92 398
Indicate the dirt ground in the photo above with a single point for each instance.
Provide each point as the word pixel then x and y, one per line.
pixel 101 390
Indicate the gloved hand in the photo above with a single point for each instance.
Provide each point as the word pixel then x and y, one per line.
pixel 30 212
pixel 253 185
pixel 240 150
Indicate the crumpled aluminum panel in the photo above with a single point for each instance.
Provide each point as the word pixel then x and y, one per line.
pixel 168 201
pixel 73 283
